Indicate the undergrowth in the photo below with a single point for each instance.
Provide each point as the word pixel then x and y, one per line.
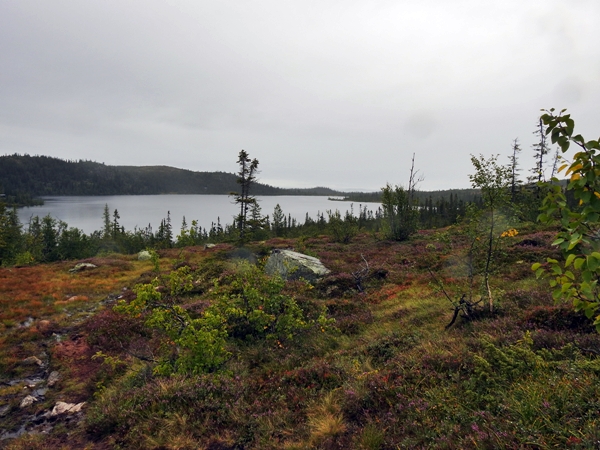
pixel 329 367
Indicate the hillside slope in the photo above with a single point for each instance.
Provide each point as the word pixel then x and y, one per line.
pixel 44 175
pixel 385 375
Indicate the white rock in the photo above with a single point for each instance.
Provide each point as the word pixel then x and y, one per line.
pixel 144 255
pixel 66 408
pixel 28 401
pixel 83 266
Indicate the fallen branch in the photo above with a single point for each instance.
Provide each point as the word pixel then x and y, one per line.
pixel 463 306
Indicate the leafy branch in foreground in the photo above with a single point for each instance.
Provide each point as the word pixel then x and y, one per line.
pixel 575 278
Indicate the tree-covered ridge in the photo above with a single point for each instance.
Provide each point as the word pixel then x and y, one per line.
pixel 456 195
pixel 44 175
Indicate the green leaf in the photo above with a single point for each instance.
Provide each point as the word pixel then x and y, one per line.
pixel 570 259
pixel 535 266
pixel 574 243
pixel 569 275
pixel 586 196
pixel 539 272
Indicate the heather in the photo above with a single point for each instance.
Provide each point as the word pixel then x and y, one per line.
pixel 383 373
pixel 480 334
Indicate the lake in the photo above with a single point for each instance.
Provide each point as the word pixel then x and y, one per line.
pixel 86 212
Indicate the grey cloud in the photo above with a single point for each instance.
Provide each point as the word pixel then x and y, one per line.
pixel 323 93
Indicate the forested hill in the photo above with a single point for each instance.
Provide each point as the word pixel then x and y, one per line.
pixel 43 175
pixel 464 195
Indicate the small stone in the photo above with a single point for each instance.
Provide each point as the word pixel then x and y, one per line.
pixel 33 361
pixel 4 410
pixel 74 298
pixel 53 378
pixel 32 382
pixel 43 326
pixel 207 246
pixel 66 408
pixel 28 401
pixel 27 323
pixel 41 392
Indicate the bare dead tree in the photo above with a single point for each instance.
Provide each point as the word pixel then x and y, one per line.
pixel 360 274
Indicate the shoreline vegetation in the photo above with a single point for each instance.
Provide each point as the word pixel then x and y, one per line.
pixel 27 178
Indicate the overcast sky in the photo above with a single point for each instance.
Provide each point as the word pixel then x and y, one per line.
pixel 336 93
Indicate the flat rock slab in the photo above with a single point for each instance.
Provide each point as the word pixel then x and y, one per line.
pixel 82 266
pixel 66 408
pixel 291 265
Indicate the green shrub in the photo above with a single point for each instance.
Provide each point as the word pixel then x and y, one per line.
pixel 247 305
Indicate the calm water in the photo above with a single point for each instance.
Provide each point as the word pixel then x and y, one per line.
pixel 86 212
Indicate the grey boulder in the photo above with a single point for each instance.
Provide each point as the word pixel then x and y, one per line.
pixel 82 266
pixel 291 265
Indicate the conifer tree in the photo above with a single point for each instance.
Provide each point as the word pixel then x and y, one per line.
pixel 540 151
pixel 514 170
pixel 278 224
pixel 107 231
pixel 246 177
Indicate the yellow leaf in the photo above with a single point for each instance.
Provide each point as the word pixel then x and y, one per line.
pixel 574 168
pixel 575 176
pixel 561 168
pixel 597 194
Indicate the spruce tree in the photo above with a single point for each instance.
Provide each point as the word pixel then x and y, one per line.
pixel 246 177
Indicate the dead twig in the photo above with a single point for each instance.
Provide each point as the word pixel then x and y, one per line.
pixel 464 306
pixel 360 274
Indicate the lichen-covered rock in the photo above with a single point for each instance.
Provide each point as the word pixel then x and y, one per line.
pixel 32 361
pixel 82 266
pixel 293 265
pixel 144 255
pixel 28 401
pixel 66 408
pixel 53 378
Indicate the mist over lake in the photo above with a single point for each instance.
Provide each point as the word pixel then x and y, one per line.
pixel 86 212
